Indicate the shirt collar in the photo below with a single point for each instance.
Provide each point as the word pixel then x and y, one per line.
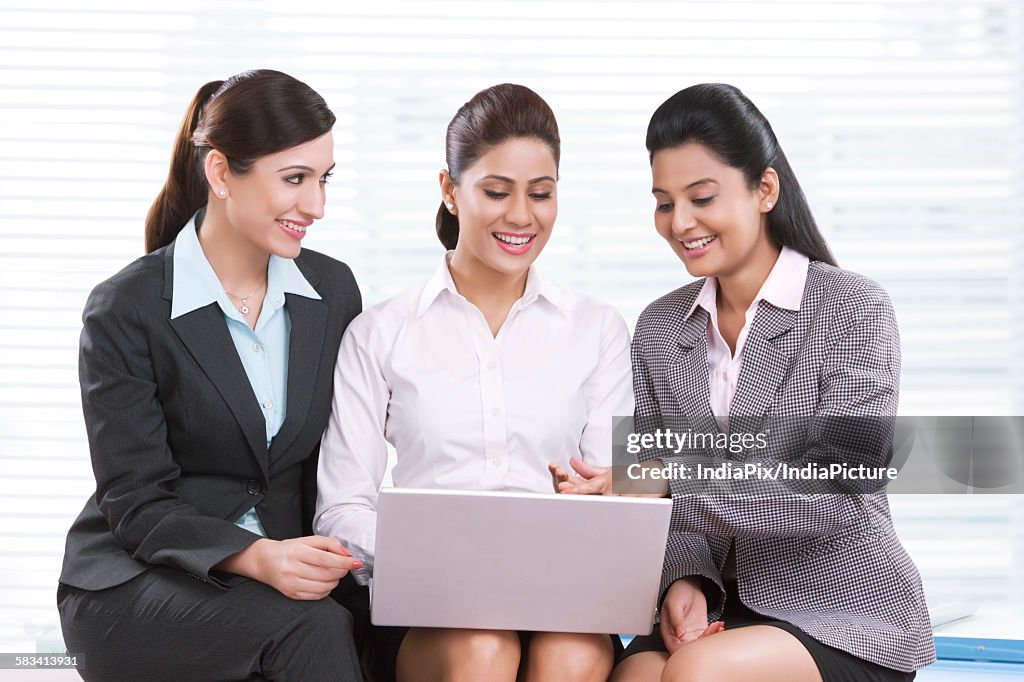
pixel 784 287
pixel 195 284
pixel 537 286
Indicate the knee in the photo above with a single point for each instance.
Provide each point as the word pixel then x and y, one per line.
pixel 451 654
pixel 690 666
pixel 322 623
pixel 326 615
pixel 573 657
pixel 486 647
pixel 317 641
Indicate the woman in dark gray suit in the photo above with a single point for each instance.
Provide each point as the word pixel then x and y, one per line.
pixel 807 586
pixel 205 369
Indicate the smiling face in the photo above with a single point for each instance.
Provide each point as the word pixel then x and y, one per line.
pixel 273 204
pixel 506 203
pixel 709 215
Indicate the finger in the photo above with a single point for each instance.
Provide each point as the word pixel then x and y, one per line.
pixel 314 587
pixel 672 642
pixel 328 560
pixel 691 636
pixel 713 628
pixel 567 487
pixel 558 475
pixel 585 470
pixel 323 574
pixel 311 595
pixel 326 544
pixel 696 624
pixel 674 611
pixel 321 556
pixel 557 470
pixel 308 596
pixel 595 486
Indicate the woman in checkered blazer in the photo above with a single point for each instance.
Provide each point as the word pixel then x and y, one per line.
pixel 795 586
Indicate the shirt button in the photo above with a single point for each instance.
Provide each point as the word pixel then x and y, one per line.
pixel 268 404
pixel 492 365
pixel 257 347
pixel 496 411
pixel 495 462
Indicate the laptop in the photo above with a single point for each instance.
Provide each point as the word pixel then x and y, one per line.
pixel 518 561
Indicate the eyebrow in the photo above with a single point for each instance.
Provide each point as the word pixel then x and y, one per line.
pixel 512 182
pixel 305 168
pixel 702 181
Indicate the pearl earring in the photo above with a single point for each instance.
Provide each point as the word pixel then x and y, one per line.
pixel 450 205
pixel 768 205
pixel 223 193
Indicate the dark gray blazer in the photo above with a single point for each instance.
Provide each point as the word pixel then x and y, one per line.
pixel 176 435
pixel 829 564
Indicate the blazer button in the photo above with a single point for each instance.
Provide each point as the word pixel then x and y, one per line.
pixel 253 487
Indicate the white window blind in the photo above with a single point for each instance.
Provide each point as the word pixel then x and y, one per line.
pixel 902 120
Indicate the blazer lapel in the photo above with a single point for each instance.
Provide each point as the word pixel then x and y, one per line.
pixel 206 337
pixel 767 356
pixel 688 376
pixel 305 346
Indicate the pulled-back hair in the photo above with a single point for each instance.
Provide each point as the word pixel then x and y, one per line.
pixel 495 115
pixel 720 118
pixel 249 115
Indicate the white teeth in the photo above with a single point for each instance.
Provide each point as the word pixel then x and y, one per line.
pixel 514 241
pixel 293 226
pixel 699 243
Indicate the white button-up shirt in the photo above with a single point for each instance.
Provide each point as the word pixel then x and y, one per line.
pixel 464 409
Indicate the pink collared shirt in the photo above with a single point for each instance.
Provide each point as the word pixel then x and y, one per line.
pixel 783 288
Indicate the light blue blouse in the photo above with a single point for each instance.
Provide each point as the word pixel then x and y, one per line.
pixel 263 350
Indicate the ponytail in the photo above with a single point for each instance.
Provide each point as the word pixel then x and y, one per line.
pixel 791 222
pixel 447 227
pixel 185 190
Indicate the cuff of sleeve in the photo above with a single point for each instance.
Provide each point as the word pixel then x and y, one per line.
pixel 710 583
pixel 712 587
pixel 198 558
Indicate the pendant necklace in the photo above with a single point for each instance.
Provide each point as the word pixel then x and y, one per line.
pixel 244 308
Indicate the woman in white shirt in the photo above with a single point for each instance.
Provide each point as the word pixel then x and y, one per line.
pixel 480 378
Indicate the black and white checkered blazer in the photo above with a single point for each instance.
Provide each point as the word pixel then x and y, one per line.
pixel 829 564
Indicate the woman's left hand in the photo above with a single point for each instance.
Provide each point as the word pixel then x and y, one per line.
pixel 588 480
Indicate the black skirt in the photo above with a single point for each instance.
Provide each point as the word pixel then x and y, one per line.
pixel 834 664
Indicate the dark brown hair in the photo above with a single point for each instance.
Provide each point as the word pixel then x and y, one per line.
pixel 249 115
pixel 724 121
pixel 495 115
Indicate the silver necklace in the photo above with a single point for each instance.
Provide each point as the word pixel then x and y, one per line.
pixel 244 308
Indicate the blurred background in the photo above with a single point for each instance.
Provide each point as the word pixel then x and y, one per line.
pixel 902 120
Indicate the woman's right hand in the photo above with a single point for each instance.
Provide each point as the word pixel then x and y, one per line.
pixel 595 480
pixel 306 568
pixel 684 615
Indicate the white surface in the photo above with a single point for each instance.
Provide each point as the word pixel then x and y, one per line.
pixel 991 621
